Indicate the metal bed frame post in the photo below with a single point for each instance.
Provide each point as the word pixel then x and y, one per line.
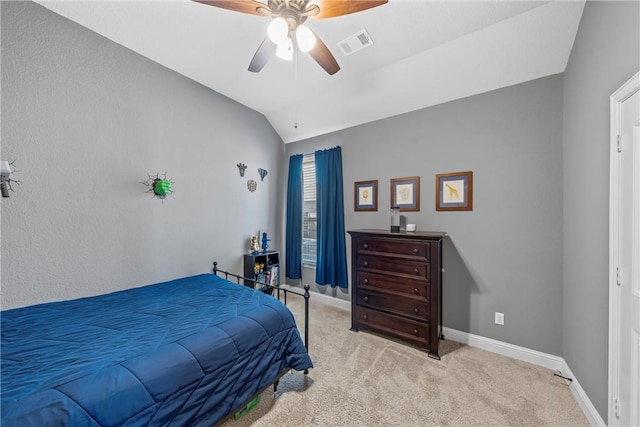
pixel 306 315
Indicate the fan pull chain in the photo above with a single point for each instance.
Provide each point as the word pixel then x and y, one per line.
pixel 295 67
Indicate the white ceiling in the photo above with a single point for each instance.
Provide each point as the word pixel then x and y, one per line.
pixel 424 53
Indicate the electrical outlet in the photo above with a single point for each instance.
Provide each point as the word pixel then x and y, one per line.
pixel 499 318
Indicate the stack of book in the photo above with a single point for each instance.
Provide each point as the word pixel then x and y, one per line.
pixel 269 277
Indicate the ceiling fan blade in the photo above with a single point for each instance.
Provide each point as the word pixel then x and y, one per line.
pixel 323 56
pixel 245 6
pixel 262 55
pixel 332 8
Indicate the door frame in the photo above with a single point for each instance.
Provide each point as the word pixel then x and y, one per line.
pixel 616 100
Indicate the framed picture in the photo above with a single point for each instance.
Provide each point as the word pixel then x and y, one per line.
pixel 365 196
pixel 454 191
pixel 405 193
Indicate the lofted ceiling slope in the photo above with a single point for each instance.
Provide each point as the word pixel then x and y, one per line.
pixel 424 53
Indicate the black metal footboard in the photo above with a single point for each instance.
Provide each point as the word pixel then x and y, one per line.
pixel 242 280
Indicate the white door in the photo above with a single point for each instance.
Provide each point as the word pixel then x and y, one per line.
pixel 624 363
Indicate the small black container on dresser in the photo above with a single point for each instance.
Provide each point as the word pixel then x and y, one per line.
pixel 397 285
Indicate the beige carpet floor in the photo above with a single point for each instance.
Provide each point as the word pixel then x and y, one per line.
pixel 363 379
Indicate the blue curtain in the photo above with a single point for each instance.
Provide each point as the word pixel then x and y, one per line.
pixel 294 219
pixel 331 263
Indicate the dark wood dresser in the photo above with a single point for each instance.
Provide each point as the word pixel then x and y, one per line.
pixel 397 285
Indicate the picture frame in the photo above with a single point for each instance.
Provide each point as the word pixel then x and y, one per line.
pixel 365 196
pixel 454 191
pixel 405 193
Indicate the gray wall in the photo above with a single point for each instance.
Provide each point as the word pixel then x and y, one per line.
pixel 87 120
pixel 606 53
pixel 506 254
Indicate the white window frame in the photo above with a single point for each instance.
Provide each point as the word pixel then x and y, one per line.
pixel 309 213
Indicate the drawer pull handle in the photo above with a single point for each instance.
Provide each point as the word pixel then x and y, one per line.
pixel 366 281
pixel 417 310
pixel 367 299
pixel 366 246
pixel 416 251
pixel 417 270
pixel 416 291
pixel 366 263
pixel 365 317
pixel 415 331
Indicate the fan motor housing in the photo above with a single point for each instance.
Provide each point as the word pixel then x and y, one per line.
pixel 293 11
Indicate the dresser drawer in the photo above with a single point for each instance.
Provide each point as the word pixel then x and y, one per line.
pixel 417 332
pixel 403 306
pixel 415 287
pixel 409 248
pixel 391 265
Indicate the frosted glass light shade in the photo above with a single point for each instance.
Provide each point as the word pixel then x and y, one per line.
pixel 305 38
pixel 278 30
pixel 285 49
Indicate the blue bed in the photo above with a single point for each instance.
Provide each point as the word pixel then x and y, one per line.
pixel 186 352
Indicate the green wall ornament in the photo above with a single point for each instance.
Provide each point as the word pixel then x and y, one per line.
pixel 159 186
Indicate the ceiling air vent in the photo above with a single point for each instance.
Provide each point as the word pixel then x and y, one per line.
pixel 356 42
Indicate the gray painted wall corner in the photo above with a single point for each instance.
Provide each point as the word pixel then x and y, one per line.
pixel 606 53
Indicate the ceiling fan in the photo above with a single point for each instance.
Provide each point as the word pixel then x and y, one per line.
pixel 288 18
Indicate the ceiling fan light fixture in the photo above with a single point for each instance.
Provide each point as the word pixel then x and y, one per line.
pixel 285 49
pixel 287 19
pixel 305 38
pixel 278 30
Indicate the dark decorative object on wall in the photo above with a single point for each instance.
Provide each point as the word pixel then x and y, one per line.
pixel 454 191
pixel 262 173
pixel 365 196
pixel 405 193
pixel 160 187
pixel 241 167
pixel 252 185
pixel 6 170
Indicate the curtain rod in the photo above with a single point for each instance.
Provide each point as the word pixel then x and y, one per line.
pixel 307 154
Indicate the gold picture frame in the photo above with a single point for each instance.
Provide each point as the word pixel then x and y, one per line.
pixel 365 196
pixel 454 191
pixel 405 193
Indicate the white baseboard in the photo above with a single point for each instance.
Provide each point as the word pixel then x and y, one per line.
pixel 581 397
pixel 324 299
pixel 549 361
pixel 520 353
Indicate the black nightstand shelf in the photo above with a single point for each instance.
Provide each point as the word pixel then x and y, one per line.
pixel 271 261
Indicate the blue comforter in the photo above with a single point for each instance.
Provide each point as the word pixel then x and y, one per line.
pixel 184 352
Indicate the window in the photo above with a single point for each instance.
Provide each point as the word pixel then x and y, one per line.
pixel 309 223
